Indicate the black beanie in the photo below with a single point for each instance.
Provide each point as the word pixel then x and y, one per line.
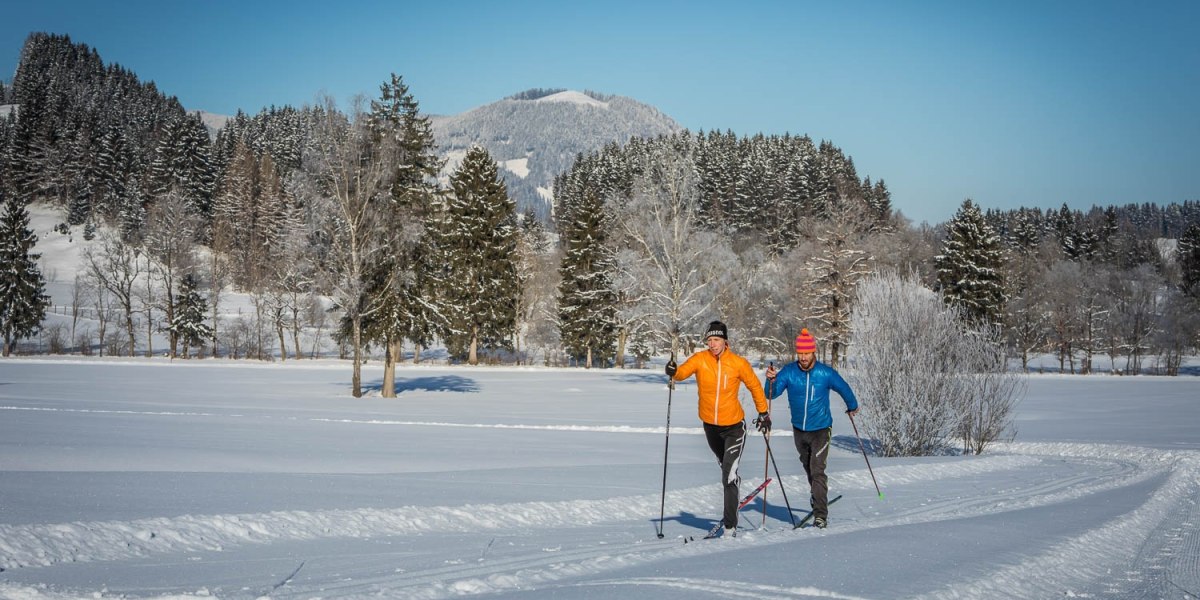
pixel 718 329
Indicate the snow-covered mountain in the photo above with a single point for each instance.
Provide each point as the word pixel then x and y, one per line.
pixel 212 121
pixel 536 135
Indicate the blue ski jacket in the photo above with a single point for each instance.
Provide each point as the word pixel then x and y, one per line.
pixel 808 393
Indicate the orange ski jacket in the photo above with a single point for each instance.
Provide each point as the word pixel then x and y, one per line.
pixel 717 384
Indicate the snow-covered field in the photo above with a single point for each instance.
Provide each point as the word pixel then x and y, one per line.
pixel 144 478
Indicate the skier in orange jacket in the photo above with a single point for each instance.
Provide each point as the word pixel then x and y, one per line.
pixel 718 371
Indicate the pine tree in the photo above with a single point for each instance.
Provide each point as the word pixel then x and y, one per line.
pixel 188 323
pixel 587 302
pixel 23 299
pixel 969 268
pixel 477 242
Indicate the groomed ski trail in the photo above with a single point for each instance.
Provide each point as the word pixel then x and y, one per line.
pixel 618 532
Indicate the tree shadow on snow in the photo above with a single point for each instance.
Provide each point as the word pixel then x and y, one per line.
pixel 444 383
pixel 850 444
pixel 643 377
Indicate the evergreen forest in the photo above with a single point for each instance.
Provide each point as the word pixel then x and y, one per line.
pixel 333 221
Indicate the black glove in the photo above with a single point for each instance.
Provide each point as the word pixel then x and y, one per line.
pixel 763 422
pixel 671 367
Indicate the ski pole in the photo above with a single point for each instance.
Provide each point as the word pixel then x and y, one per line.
pixel 662 507
pixel 780 480
pixel 767 436
pixel 864 453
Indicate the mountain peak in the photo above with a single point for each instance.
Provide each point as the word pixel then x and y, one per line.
pixel 535 135
pixel 573 97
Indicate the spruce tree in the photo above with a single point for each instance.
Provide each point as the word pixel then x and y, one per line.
pixel 403 281
pixel 969 268
pixel 477 241
pixel 183 160
pixel 188 323
pixel 587 302
pixel 23 299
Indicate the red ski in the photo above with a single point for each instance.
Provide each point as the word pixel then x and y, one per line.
pixel 712 533
pixel 751 495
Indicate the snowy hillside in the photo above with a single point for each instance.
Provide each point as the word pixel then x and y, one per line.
pixel 62 262
pixel 536 137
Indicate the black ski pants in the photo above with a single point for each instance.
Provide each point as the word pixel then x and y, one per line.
pixel 726 442
pixel 813 447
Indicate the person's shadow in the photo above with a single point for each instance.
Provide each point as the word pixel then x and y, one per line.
pixel 746 516
pixel 691 520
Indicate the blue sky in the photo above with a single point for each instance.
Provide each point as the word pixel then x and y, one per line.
pixel 1013 103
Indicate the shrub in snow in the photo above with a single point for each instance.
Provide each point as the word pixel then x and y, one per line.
pixel 925 377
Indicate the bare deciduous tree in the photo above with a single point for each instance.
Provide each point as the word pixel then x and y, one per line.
pixel 79 296
pixel 537 268
pixel 677 263
pixel 116 266
pixel 1134 295
pixel 1178 330
pixel 347 179
pixel 1065 323
pixel 170 240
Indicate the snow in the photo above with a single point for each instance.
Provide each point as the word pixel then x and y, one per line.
pixel 5 109
pixel 546 194
pixel 573 97
pixel 151 478
pixel 518 166
pixel 146 478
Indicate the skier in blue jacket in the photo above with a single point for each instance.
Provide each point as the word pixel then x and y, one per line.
pixel 807 382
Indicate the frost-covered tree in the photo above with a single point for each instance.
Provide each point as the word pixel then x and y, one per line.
pixel 346 182
pixel 23 299
pixel 115 266
pixel 586 299
pixel 970 266
pixel 1064 321
pixel 1135 298
pixel 678 262
pixel 477 244
pixel 1188 259
pixel 831 267
pixel 170 240
pixel 954 385
pixel 538 314
pixel 1178 331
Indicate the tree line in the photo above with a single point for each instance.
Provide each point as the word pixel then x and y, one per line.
pixel 338 211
